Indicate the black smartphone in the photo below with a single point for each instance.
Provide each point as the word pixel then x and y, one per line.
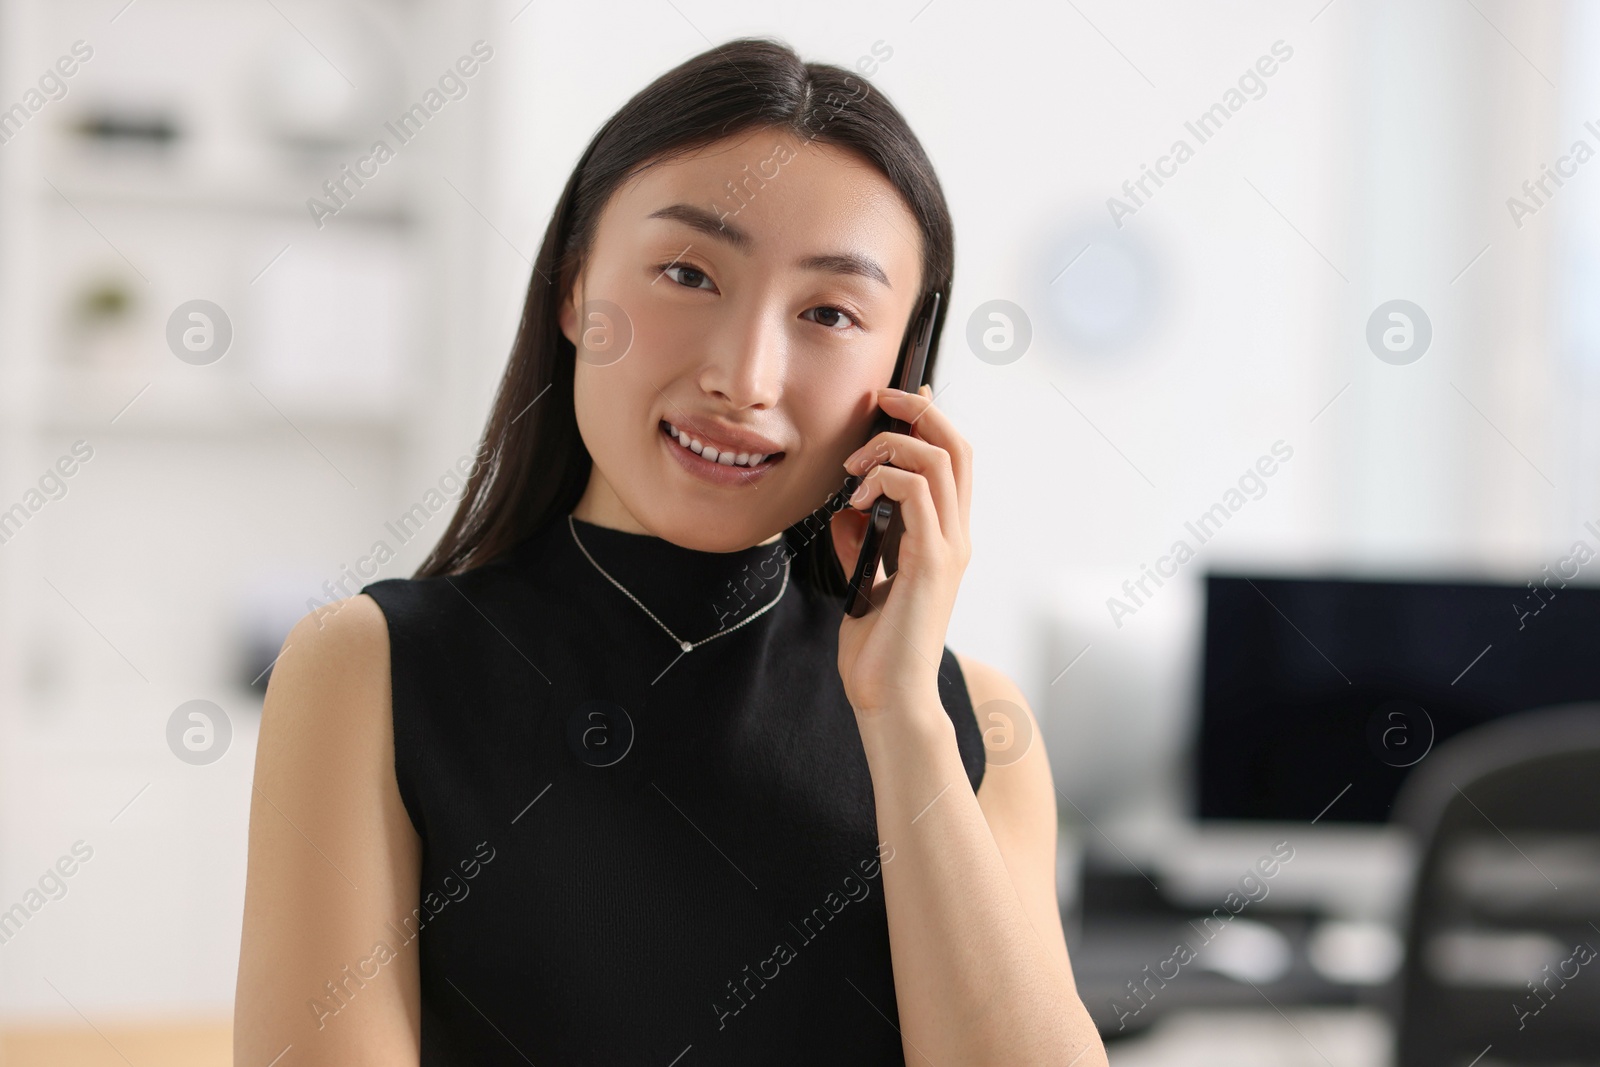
pixel 884 525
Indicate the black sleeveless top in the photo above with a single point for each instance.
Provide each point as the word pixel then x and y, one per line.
pixel 632 853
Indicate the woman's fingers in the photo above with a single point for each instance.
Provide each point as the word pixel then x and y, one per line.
pixel 931 424
pixel 894 451
pixel 911 491
pixel 937 452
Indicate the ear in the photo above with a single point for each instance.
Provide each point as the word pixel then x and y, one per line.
pixel 567 316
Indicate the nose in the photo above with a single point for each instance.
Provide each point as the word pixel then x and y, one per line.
pixel 747 357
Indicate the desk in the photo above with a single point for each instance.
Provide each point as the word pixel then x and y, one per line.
pixel 1300 1037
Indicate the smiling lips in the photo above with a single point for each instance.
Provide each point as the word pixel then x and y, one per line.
pixel 727 457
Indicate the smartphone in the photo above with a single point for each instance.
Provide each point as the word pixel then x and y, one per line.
pixel 884 525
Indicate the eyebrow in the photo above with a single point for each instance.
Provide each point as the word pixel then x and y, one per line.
pixel 710 224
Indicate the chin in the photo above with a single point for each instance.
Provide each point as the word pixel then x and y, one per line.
pixel 715 510
pixel 706 529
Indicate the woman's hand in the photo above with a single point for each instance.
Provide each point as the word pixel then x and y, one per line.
pixel 889 658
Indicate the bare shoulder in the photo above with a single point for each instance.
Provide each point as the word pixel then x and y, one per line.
pixel 1011 731
pixel 986 683
pixel 332 854
pixel 1018 797
pixel 346 638
pixel 328 699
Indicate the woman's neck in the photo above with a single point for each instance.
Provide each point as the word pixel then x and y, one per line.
pixel 601 506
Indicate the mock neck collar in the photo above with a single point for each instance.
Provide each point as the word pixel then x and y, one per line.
pixel 694 592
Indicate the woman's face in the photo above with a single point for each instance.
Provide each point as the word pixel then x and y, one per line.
pixel 766 283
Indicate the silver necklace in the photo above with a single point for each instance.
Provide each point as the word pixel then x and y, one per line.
pixel 687 646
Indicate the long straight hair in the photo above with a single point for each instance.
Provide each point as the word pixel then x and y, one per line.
pixel 534 465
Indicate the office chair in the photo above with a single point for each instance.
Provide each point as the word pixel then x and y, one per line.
pixel 1503 930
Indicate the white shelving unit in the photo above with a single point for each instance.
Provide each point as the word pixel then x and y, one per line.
pixel 218 496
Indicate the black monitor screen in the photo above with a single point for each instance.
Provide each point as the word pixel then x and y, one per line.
pixel 1310 685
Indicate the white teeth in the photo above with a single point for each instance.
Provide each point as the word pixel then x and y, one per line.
pixel 727 459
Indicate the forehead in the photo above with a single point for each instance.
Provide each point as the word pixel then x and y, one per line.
pixel 793 198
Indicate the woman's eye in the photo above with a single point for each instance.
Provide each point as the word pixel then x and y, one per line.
pixel 688 277
pixel 831 316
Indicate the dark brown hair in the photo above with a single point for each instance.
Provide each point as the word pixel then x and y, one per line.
pixel 534 464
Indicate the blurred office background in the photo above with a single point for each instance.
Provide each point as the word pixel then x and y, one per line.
pixel 249 392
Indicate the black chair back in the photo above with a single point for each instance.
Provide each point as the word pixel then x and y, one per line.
pixel 1502 961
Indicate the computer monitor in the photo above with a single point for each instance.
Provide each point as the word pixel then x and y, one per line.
pixel 1319 694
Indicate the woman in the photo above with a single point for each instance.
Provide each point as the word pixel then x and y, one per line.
pixel 614 778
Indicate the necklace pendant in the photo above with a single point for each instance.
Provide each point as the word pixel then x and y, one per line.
pixel 687 646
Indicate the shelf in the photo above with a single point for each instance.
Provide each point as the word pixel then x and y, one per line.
pixel 173 189
pixel 134 402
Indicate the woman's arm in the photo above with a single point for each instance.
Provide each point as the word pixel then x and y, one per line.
pixel 980 967
pixel 333 860
pixel 980 959
pixel 1018 798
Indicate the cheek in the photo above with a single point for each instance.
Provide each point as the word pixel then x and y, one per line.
pixel 833 414
pixel 610 403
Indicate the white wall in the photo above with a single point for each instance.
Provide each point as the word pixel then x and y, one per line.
pixel 218 497
pixel 1375 166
